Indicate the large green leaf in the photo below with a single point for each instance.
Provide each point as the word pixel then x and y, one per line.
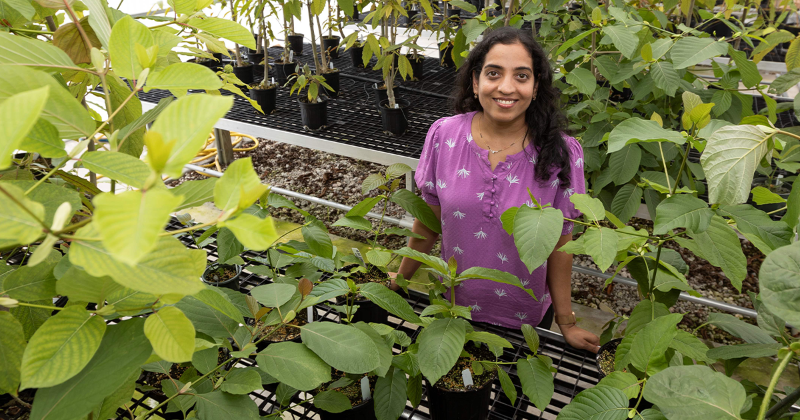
pixel 495 276
pixel 122 46
pixel 295 365
pixel 169 268
pixel 130 142
pixel 239 186
pixel 32 318
pixel 273 295
pixel 536 233
pixel 344 347
pixel 252 231
pixel 537 380
pixel 747 68
pixel 62 109
pixel 765 233
pixel 650 344
pixel 221 405
pixel 19 223
pixel 390 395
pixel 720 246
pixel 123 349
pixel 624 381
pixel 227 245
pixel 626 202
pixel 318 240
pixel 117 166
pixel 80 286
pixel 433 262
pixel 382 344
pixel 43 139
pixel 623 37
pixel 217 299
pixel 18 114
pixel 225 28
pixel 729 160
pixel 690 50
pixel 665 76
pixel 184 76
pixel 635 130
pixel 332 401
pixel 11 348
pixel 598 403
pixel 389 300
pixel 644 312
pixel 744 350
pixel 61 347
pixel 682 211
pixel 195 193
pixel 51 196
pixel 690 346
pixel 692 392
pixel 747 332
pixel 32 283
pixel 418 208
pixel 591 207
pixel 187 122
pixel 364 206
pixel 601 245
pixel 98 20
pixel 171 334
pixel 18 50
pixel 583 80
pixel 624 163
pixel 206 319
pixel 242 381
pixel 779 280
pixel 440 344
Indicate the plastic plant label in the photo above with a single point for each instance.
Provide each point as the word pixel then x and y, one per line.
pixel 310 314
pixel 291 56
pixel 365 394
pixel 330 65
pixel 467 376
pixel 357 253
pixel 273 80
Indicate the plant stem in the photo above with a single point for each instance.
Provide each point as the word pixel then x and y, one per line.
pixel 32 31
pixel 664 161
pixel 779 210
pixel 678 178
pixel 73 226
pixel 786 401
pixel 655 270
pixel 78 25
pixel 773 382
pixel 33 305
pixel 20 402
pixel 188 229
pixel 30 213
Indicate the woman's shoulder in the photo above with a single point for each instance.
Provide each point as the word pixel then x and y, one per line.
pixel 453 122
pixel 573 145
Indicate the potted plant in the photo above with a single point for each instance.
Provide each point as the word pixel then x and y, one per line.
pixel 418 22
pixel 265 93
pixel 285 65
pixel 243 70
pixel 313 106
pixel 330 42
pixel 292 9
pixel 323 65
pixel 445 32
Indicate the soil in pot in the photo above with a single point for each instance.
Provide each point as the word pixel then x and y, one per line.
pixel 283 71
pixel 381 94
pixel 244 73
pixel 11 409
pixel 355 56
pixel 395 120
pixel 289 332
pixel 332 79
pixel 331 45
pixel 265 97
pixel 314 116
pixel 449 400
pixel 362 410
pixel 296 43
pixel 223 276
pixel 417 66
pixel 446 56
pixel 605 365
pixel 367 311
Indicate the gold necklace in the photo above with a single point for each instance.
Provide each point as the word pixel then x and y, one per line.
pixel 480 132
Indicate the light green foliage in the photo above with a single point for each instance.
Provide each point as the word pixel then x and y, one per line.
pixel 241 381
pixel 171 334
pixel 624 381
pixel 390 395
pixel 273 295
pixel 730 158
pixel 343 347
pixel 635 130
pixel 295 365
pixel 592 208
pixel 128 36
pixel 11 348
pixel 252 231
pixel 19 223
pixel 650 343
pixel 689 392
pixel 23 51
pixel 536 233
pixel 720 246
pixel 536 378
pixel 779 277
pixel 440 344
pixel 600 402
pixel 682 211
pixel 184 76
pixel 117 166
pixel 18 114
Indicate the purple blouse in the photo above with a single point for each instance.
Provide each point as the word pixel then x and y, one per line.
pixel 455 173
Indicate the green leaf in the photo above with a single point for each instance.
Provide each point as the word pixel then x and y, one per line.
pixel 318 240
pixel 32 318
pixel 779 281
pixel 295 365
pixel 217 299
pixel 195 193
pixel 378 258
pixel 364 206
pixel 624 381
pixel 205 360
pixel 130 112
pixel 242 381
pixel 184 76
pixel 626 202
pixel 390 395
pixel 221 405
pixel 762 195
pixel 252 231
pixel 738 328
pixel 418 208
pixel 598 403
pixel 537 231
pixel 684 392
pixel 23 51
pixel 665 77
pixel 61 109
pixel 531 337
pixel 591 207
pixel 117 166
pixel 570 42
pixel 171 334
pixel 390 301
pixel 689 51
pixel 122 46
pixel 635 130
pixel 43 139
pixel 731 156
pixel 98 20
pixel 122 350
pixel 652 341
pixel 227 245
pixel 463 5
pixel 720 246
pixel 402 232
pixel 583 80
pixel 15 222
pixel 344 347
pixel 383 345
pixel 765 233
pixel 491 339
pixel 187 122
pixel 624 39
pixel 332 401
pixel 52 196
pixel 433 262
pixel 225 28
pixel 397 170
pixel 273 295
pixel 601 245
pixel 644 312
pixel 744 350
pixel 440 344
pixel 371 182
pixel 206 319
pixel 141 122
pixel 747 68
pixel 120 396
pixel 496 276
pixel 508 386
pixel 624 163
pixel 31 283
pixel 11 348
pixel 79 286
pixel 682 211
pixel 537 380
pixel 18 114
pixel 690 346
pixel 61 347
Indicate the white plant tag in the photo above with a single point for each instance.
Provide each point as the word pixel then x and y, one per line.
pixel 467 376
pixel 273 80
pixel 330 65
pixel 357 253
pixel 310 314
pixel 291 56
pixel 396 106
pixel 365 394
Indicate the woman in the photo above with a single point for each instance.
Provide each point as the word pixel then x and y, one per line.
pixel 507 138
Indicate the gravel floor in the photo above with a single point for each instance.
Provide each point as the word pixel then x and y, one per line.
pixel 339 179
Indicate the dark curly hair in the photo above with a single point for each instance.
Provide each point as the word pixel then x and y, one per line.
pixel 546 123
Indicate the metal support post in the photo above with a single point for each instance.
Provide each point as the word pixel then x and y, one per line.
pixel 222 141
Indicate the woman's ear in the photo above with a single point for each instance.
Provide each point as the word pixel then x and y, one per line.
pixel 474 84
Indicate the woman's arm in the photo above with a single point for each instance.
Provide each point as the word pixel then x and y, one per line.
pixel 559 280
pixel 408 266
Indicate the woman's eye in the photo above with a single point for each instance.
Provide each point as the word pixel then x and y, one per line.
pixel 491 73
pixel 522 76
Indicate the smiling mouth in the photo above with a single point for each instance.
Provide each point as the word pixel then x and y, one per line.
pixel 505 101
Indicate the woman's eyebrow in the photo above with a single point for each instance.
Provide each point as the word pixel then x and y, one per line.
pixel 501 67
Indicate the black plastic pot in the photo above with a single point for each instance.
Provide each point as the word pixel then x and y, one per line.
pixel 470 404
pixel 261 346
pixel 363 411
pixel 266 98
pixel 417 66
pixel 355 56
pixel 255 58
pixel 446 56
pixel 453 11
pixel 367 311
pixel 244 73
pixel 283 71
pixel 314 116
pixel 332 79
pixel 296 43
pixel 395 120
pixel 331 45
pixel 411 15
pixel 231 283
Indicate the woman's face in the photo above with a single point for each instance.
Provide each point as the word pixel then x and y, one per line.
pixel 506 85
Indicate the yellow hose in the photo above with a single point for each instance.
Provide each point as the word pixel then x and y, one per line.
pixel 208 152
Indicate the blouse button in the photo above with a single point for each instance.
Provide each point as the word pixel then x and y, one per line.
pixel 491 214
pixel 492 203
pixel 492 189
pixel 494 176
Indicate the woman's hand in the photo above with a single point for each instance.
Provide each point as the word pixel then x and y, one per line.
pixel 580 338
pixel 392 285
